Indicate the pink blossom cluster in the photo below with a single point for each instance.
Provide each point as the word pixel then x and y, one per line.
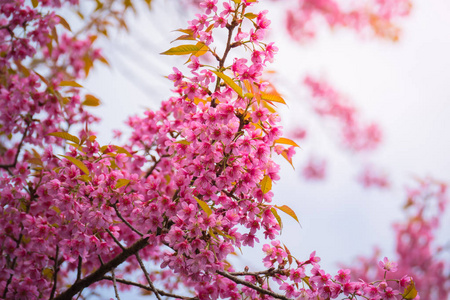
pixel 374 17
pixel 329 103
pixel 292 277
pixel 371 177
pixel 420 253
pixel 192 185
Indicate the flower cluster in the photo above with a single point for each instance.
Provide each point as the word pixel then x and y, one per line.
pixel 373 17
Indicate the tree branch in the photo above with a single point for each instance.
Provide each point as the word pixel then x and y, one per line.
pixel 150 283
pixel 144 287
pixel 252 286
pixel 100 272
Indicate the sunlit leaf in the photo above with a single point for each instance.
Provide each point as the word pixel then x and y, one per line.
pixel 91 100
pixel 184 142
pixel 266 184
pixel 286 142
pixel 272 98
pixel 121 183
pixel 277 217
pixel 410 291
pixel 284 154
pixel 66 136
pixel 47 272
pixel 70 83
pixel 203 49
pixel 230 83
pixel 77 163
pixel 183 49
pixel 35 3
pixel 184 37
pixel 250 15
pixel 286 209
pixel 204 206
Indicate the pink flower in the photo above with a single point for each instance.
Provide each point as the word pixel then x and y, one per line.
pixel 388 266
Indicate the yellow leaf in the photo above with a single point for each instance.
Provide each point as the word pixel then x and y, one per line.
pixel 91 100
pixel 410 291
pixel 204 206
pixel 230 83
pixel 211 233
pixel 47 272
pixel 183 49
pixel 287 142
pixel 70 83
pixel 84 178
pixel 92 138
pixel 286 209
pixel 272 98
pixel 203 49
pixel 184 37
pixel 35 3
pixel 277 217
pixel 266 184
pixel 66 136
pixel 77 163
pixel 121 183
pixel 35 161
pixel 184 142
pixel 56 209
pixel 250 15
pixel 284 154
pixel 187 31
pixel 63 22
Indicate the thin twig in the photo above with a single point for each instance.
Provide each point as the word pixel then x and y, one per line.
pixel 55 274
pixel 19 147
pixel 150 283
pixel 252 286
pixel 115 240
pixel 126 222
pixel 115 284
pixel 144 287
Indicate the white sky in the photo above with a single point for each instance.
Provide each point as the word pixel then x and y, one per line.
pixel 404 86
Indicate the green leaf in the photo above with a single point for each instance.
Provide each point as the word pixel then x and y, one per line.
pixel 70 83
pixel 287 142
pixel 91 100
pixel 230 83
pixel 277 217
pixel 266 184
pixel 77 163
pixel 410 291
pixel 121 183
pixel 286 209
pixel 66 136
pixel 183 50
pixel 204 206
pixel 250 15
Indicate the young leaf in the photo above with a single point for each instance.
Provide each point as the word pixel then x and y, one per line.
pixel 66 136
pixel 183 49
pixel 63 22
pixel 70 83
pixel 203 49
pixel 287 142
pixel 277 217
pixel 286 209
pixel 250 15
pixel 121 183
pixel 266 184
pixel 410 291
pixel 91 100
pixel 77 163
pixel 272 98
pixel 204 206
pixel 230 83
pixel 284 154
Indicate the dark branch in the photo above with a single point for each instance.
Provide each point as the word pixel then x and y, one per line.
pixel 100 272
